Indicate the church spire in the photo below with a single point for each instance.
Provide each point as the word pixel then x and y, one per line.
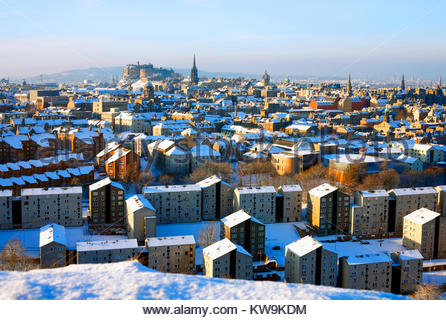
pixel 403 84
pixel 194 73
pixel 349 85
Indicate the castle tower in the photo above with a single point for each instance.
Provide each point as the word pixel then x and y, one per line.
pixel 194 73
pixel 349 86
pixel 403 84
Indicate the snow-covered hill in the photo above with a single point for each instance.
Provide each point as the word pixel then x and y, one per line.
pixel 131 280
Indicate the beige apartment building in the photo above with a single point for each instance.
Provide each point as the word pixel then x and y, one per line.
pixel 129 121
pixel 441 199
pixel 6 221
pixel 425 230
pixel 175 203
pixel 105 106
pixel 366 272
pixel 406 200
pixel 328 209
pixel 172 254
pixel 259 202
pixel 407 271
pixel 141 218
pixel 106 202
pixel 369 214
pixel 53 246
pixel 306 261
pixel 42 206
pixel 246 231
pixel 289 203
pixel 216 198
pixel 225 259
pixel 106 251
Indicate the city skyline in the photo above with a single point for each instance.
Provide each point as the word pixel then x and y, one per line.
pixel 371 41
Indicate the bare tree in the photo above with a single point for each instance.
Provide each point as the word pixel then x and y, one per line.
pixel 208 235
pixel 14 258
pixel 427 292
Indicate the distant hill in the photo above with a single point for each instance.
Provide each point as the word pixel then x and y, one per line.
pixel 107 73
pixel 94 74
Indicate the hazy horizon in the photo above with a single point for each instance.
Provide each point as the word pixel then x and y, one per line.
pixel 376 40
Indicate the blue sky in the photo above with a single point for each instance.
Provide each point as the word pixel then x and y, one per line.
pixel 370 39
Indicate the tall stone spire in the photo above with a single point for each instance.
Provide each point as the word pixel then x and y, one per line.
pixel 349 86
pixel 439 83
pixel 403 84
pixel 194 73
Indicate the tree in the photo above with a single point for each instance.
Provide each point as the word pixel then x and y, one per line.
pixel 427 292
pixel 389 179
pixel 206 169
pixel 208 235
pixel 165 179
pixel 14 258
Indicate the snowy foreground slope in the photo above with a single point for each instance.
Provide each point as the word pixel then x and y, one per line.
pixel 131 280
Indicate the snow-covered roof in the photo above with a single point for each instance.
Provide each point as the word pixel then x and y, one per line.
pixel 138 202
pixel 291 188
pixel 237 218
pixel 368 258
pixel 44 191
pixel 172 188
pixel 170 241
pixel 304 246
pixel 121 152
pixel 410 255
pixel 5 193
pixel 107 245
pixel 52 233
pixel 259 189
pixel 111 146
pixel 414 190
pixel 422 216
pixel 322 190
pixel 209 181
pixel 374 193
pixel 105 182
pixel 203 150
pixel 222 247
pixel 176 151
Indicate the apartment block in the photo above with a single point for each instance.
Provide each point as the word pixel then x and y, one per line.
pixel 225 259
pixel 42 206
pixel 289 203
pixel 306 261
pixel 425 230
pixel 406 200
pixel 366 272
pixel 441 199
pixel 217 198
pixel 106 202
pixel 369 213
pixel 246 231
pixel 53 246
pixel 175 203
pixel 172 254
pixel 106 251
pixel 259 202
pixel 141 218
pixel 6 221
pixel 407 271
pixel 328 209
